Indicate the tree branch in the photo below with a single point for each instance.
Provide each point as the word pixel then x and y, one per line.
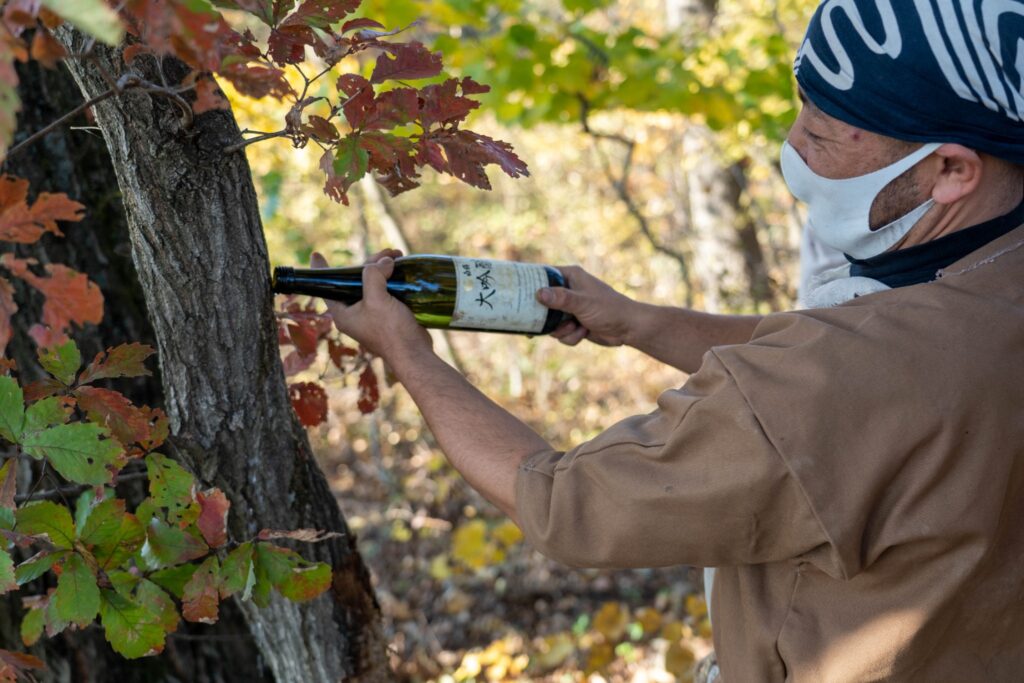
pixel 245 143
pixel 59 122
pixel 621 187
pixel 60 492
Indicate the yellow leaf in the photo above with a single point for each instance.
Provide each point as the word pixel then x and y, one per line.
pixel 552 651
pixel 696 607
pixel 679 661
pixel 672 631
pixel 649 619
pixel 601 655
pixel 469 544
pixel 439 567
pixel 507 533
pixel 611 620
pixel 704 628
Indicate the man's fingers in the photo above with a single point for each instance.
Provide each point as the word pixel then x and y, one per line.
pixel 385 253
pixel 559 298
pixel 574 338
pixel 375 280
pixel 317 260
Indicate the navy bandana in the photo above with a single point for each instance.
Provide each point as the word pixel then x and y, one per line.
pixel 921 70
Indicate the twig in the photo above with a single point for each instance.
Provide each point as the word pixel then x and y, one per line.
pixel 245 143
pixel 621 187
pixel 61 492
pixel 61 121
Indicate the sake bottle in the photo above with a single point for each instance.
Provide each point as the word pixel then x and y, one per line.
pixel 446 291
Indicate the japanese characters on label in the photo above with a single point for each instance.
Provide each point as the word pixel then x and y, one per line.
pixel 499 295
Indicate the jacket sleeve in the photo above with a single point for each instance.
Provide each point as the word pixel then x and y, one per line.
pixel 695 482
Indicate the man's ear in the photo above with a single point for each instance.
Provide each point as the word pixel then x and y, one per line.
pixel 959 175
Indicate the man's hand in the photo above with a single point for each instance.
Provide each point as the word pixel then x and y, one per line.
pixel 380 323
pixel 604 316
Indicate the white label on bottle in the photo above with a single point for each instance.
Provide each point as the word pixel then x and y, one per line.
pixel 499 295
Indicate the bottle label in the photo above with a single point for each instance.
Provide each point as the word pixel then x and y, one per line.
pixel 499 295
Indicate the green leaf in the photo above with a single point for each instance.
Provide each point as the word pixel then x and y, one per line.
pixel 131 629
pixel 54 623
pixel 78 597
pixel 6 518
pixel 37 565
pixel 94 17
pixel 102 523
pixel 7 580
pixel 174 579
pixel 351 161
pixel 115 549
pixel 62 361
pixel 32 626
pixel 294 577
pixel 45 413
pixel 172 487
pixel 153 598
pixel 307 582
pixel 44 517
pixel 124 582
pixel 202 593
pixel 78 451
pixel 12 409
pixel 83 508
pixel 238 573
pixel 168 545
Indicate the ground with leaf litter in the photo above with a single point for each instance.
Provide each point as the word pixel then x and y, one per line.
pixel 465 598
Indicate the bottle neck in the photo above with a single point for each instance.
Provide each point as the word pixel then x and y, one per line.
pixel 340 284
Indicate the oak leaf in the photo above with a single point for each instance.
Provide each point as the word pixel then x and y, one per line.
pixel 25 224
pixel 309 401
pixel 411 61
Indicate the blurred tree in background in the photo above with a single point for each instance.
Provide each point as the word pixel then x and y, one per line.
pixel 651 128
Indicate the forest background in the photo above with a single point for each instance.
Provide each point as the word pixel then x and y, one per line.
pixel 651 129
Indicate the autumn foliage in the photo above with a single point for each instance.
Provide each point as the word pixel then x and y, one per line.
pixel 140 571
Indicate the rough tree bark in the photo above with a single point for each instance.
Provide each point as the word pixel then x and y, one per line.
pixel 198 247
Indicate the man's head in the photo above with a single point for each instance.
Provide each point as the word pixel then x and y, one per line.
pixel 878 80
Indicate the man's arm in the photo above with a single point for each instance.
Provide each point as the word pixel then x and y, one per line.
pixel 482 440
pixel 676 336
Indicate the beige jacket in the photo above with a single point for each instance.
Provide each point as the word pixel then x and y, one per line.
pixel 856 473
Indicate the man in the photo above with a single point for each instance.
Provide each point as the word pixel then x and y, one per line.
pixel 855 472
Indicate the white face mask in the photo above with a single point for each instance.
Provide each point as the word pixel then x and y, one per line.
pixel 838 210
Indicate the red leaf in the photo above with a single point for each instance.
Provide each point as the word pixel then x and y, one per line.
pixel 7 309
pixel 469 152
pixel 393 108
pixel 125 360
pixel 287 44
pixel 8 483
pixel 258 81
pixel 442 104
pixel 303 535
pixel 213 518
pixel 113 410
pixel 471 87
pixel 24 224
pixel 209 96
pixel 360 23
pixel 46 50
pixel 320 128
pixel 309 401
pixel 14 664
pixel 305 337
pixel 42 388
pixel 159 427
pixel 335 186
pixel 360 102
pixel 412 61
pixel 338 352
pixel 202 593
pixel 20 14
pixel 369 393
pixel 70 296
pixel 322 13
pixel 295 362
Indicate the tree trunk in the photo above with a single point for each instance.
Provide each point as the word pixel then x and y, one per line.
pixel 198 248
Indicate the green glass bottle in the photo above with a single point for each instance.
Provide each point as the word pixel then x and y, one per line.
pixel 452 292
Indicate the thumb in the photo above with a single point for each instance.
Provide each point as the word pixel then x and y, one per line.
pixel 559 298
